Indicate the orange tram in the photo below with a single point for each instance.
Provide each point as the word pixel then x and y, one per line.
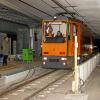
pixel 58 42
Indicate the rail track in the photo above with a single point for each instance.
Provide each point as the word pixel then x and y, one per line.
pixel 23 82
pixel 31 88
pixel 49 87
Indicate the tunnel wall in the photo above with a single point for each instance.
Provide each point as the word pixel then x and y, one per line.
pixel 22 32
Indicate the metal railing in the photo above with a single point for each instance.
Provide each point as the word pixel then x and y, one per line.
pixel 87 67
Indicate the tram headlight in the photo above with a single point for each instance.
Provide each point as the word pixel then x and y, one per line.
pixel 43 63
pixel 78 58
pixel 64 63
pixel 63 58
pixel 44 58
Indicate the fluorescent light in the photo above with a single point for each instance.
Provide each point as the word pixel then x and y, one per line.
pixel 45 58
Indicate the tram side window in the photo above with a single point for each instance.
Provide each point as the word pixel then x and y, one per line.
pixel 69 34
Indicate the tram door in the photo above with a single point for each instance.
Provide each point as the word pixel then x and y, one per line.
pixel 71 34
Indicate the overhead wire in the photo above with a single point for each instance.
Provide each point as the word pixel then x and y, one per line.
pixel 74 9
pixel 83 19
pixel 61 6
pixel 56 2
pixel 50 6
pixel 35 8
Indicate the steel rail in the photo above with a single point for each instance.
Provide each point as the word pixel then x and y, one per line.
pixel 24 83
pixel 51 83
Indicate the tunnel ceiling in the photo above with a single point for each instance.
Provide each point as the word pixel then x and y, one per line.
pixel 14 16
pixel 85 10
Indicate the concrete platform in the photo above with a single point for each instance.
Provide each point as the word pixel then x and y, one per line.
pixel 93 86
pixel 91 89
pixel 15 67
pixel 76 97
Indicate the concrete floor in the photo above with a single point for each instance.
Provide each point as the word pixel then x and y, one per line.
pixel 93 86
pixel 91 89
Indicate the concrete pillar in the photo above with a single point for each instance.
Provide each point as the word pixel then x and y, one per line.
pixel 35 44
pixel 22 39
pixel 14 47
pixel 31 40
pixel 19 42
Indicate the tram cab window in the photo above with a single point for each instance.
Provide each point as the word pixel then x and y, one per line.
pixel 55 32
pixel 74 30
